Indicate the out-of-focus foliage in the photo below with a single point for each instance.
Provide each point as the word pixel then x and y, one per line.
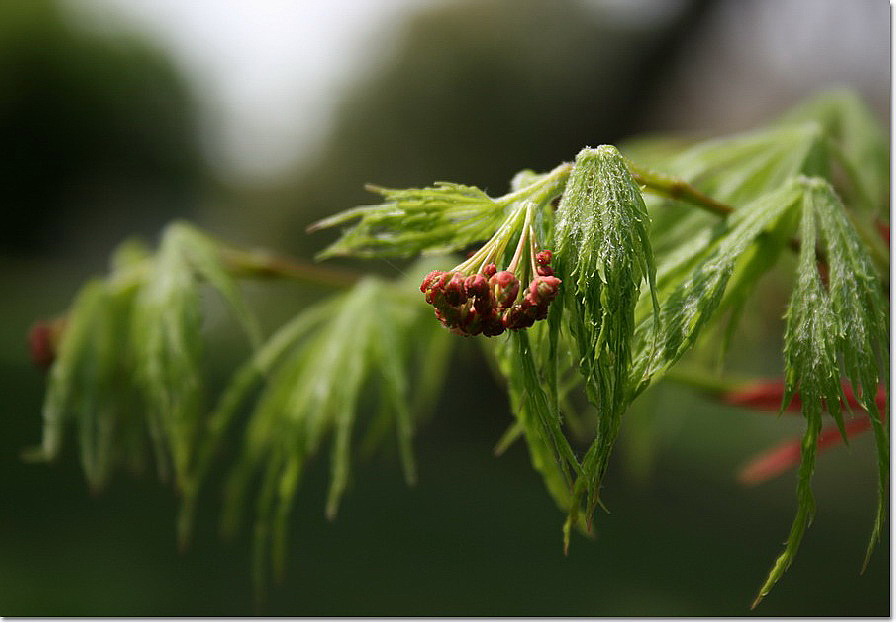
pixel 131 373
pixel 130 360
pixel 314 372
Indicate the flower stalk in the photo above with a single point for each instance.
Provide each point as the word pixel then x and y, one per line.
pixel 476 298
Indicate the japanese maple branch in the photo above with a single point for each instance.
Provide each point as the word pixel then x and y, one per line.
pixel 260 264
pixel 676 188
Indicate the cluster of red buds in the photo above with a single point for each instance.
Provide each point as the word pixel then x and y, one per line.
pixel 490 301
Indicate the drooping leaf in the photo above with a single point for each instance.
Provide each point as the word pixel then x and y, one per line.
pixel 811 363
pixel 167 356
pixel 538 420
pixel 843 323
pixel 167 344
pixel 316 375
pixel 128 371
pixel 89 384
pixel 244 382
pixel 705 276
pixel 861 308
pixel 603 255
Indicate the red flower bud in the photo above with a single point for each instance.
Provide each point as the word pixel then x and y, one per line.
pixel 451 317
pixel 492 325
pixel 472 323
pixel 435 283
pixel 519 316
pixel 544 288
pixel 429 279
pixel 487 302
pixel 477 285
pixel 455 293
pixel 505 286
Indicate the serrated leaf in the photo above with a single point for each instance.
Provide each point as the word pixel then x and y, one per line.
pixel 705 276
pixel 537 419
pixel 846 322
pixel 860 306
pixel 316 375
pixel 440 218
pixel 89 385
pixel 437 219
pixel 603 255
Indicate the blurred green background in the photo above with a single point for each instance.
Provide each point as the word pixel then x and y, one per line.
pixel 105 135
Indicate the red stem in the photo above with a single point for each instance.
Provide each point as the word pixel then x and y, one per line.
pixel 786 456
pixel 767 396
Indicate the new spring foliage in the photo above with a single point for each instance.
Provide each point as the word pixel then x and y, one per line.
pixel 604 256
pixel 651 262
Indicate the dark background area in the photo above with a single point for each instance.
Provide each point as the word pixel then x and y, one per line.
pixel 101 140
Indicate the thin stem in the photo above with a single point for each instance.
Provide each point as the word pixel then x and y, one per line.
pixel 265 265
pixel 524 235
pixel 556 177
pixel 676 188
pixel 491 251
pixel 532 251
pixel 704 380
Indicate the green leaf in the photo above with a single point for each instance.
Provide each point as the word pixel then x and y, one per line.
pixel 538 420
pixel 167 356
pixel 739 169
pixel 165 337
pixel 859 304
pixel 603 255
pixel 90 387
pixel 843 322
pixel 243 383
pixel 444 217
pixel 698 280
pixel 317 375
pixel 859 146
pixel 204 256
pixel 437 219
